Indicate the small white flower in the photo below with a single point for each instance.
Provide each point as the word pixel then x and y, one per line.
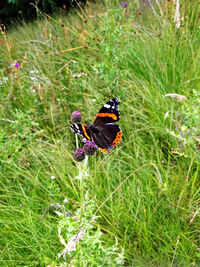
pixel 33 71
pixel 53 177
pixel 65 200
pixel 5 79
pixel 93 100
pixel 58 99
pixel 77 75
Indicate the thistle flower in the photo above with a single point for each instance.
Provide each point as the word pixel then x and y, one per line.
pixel 16 64
pixel 89 148
pixel 76 116
pixel 124 4
pixel 79 155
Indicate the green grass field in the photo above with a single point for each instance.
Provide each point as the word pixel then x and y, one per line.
pixel 58 64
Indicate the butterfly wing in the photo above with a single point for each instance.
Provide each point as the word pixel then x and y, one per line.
pixel 82 130
pixel 109 113
pixel 108 136
pixel 103 132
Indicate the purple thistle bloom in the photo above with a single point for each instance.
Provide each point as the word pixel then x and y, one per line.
pixel 79 155
pixel 16 64
pixel 89 148
pixel 76 116
pixel 124 4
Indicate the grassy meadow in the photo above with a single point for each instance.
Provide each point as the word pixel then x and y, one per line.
pixel 147 54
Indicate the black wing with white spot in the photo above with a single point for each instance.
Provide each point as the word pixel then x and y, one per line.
pixel 108 113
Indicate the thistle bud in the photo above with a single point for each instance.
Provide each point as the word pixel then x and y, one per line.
pixel 76 116
pixel 89 148
pixel 79 155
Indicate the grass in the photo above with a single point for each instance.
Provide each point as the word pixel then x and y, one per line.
pixel 67 62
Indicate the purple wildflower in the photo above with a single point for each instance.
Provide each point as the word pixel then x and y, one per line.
pixel 76 116
pixel 89 148
pixel 16 64
pixel 124 4
pixel 79 155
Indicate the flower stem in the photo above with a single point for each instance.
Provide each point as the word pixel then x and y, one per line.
pixel 76 137
pixel 82 174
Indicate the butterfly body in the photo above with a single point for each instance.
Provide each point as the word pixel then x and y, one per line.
pixel 103 131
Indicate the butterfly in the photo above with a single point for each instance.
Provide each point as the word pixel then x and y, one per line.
pixel 103 132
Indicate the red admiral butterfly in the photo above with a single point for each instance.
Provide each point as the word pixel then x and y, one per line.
pixel 103 131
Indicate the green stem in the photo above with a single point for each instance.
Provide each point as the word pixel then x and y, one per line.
pixel 82 172
pixel 76 137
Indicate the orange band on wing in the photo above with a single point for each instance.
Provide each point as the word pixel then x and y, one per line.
pixel 117 139
pixel 114 143
pixel 85 133
pixel 104 150
pixel 111 115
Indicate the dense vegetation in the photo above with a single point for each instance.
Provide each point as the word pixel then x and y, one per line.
pixel 12 10
pixel 146 54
